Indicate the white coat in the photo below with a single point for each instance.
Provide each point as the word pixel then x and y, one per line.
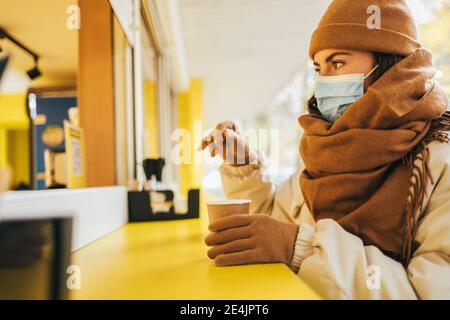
pixel 334 262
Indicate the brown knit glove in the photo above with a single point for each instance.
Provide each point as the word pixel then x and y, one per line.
pixel 245 239
pixel 227 141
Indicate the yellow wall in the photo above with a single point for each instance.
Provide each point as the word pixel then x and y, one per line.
pixel 3 148
pixel 13 113
pixel 14 133
pixel 190 109
pixel 151 123
pixel 19 155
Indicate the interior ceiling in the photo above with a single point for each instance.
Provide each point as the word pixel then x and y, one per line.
pixel 245 51
pixel 41 26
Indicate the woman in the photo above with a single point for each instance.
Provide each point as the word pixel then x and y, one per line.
pixel 367 215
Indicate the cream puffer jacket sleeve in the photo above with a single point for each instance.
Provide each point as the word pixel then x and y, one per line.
pixel 334 262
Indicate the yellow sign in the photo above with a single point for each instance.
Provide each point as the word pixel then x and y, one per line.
pixel 76 158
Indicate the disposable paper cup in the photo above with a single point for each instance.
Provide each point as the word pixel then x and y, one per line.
pixel 222 208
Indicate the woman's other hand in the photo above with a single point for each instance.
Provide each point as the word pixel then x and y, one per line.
pixel 227 142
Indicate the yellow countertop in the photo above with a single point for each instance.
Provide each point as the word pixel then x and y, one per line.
pixel 167 260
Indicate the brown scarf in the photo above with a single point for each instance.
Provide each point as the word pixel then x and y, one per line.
pixel 358 170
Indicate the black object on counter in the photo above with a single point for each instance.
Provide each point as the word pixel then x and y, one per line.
pixel 154 167
pixel 140 210
pixel 32 275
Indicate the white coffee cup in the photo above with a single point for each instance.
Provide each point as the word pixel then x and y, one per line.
pixel 223 208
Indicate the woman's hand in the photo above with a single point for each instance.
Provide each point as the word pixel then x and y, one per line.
pixel 245 239
pixel 227 141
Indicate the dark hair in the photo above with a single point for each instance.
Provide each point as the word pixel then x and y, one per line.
pixel 384 61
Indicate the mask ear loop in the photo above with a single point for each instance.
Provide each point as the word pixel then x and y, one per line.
pixel 372 71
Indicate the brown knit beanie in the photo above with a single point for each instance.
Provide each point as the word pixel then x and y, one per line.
pixel 349 24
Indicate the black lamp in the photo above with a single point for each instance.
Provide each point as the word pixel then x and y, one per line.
pixel 2 36
pixel 34 72
pixel 3 63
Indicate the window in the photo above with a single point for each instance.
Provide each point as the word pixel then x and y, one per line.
pixel 433 19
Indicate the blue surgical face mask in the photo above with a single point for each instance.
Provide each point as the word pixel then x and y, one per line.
pixel 334 94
